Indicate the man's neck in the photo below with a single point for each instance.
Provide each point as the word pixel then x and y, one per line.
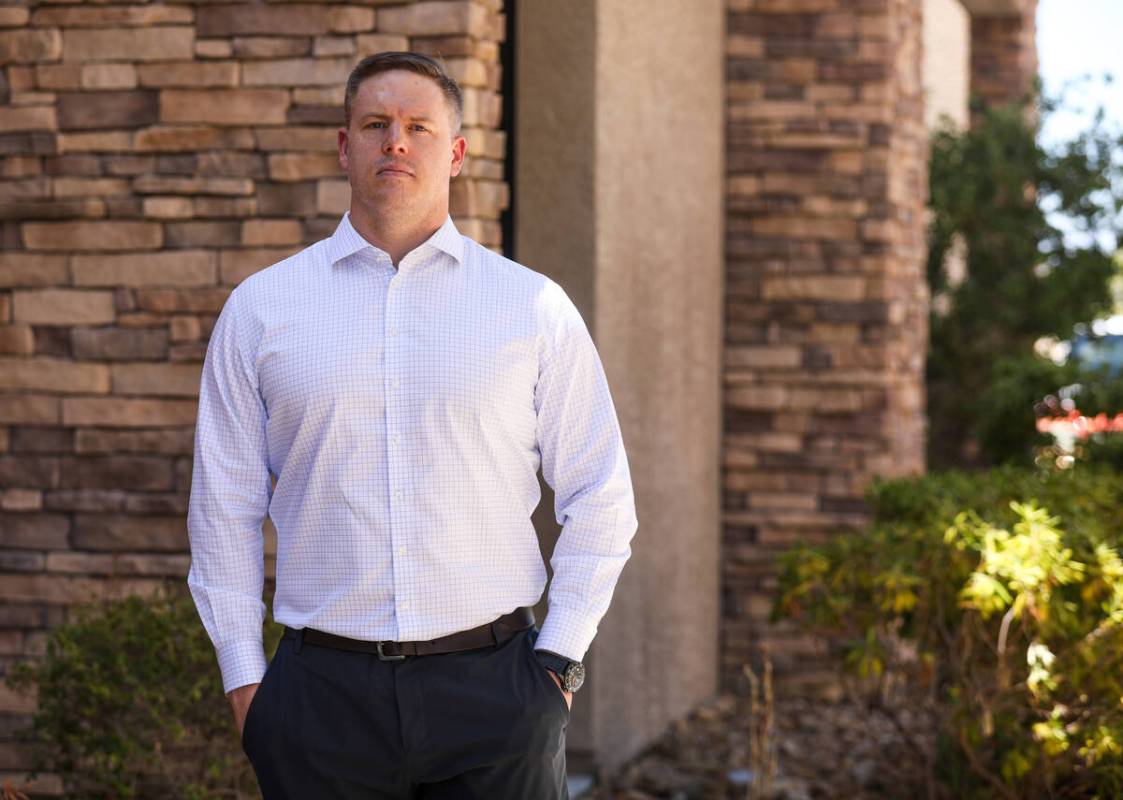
pixel 397 236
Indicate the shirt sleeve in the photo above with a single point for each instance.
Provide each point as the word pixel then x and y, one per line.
pixel 230 493
pixel 583 460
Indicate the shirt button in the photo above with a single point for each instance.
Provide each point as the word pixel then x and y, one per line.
pixel 398 494
pixel 404 605
pixel 395 440
pixel 396 382
pixel 402 550
pixel 393 331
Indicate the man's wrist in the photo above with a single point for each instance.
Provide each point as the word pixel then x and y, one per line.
pixel 241 689
pixel 570 674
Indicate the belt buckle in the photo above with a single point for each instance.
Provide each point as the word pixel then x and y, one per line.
pixel 383 657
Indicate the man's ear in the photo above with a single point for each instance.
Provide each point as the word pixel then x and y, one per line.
pixel 343 148
pixel 459 148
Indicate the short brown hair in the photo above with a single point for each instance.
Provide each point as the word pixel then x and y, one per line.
pixel 410 62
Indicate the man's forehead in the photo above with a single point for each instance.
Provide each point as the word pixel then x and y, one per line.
pixel 400 89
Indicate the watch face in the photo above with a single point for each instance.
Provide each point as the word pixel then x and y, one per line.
pixel 574 677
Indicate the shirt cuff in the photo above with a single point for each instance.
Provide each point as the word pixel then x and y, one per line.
pixel 566 632
pixel 241 663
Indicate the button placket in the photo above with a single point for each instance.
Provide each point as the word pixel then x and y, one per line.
pixel 392 363
pixel 393 383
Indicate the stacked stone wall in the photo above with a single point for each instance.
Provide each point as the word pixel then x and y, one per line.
pixel 826 310
pixel 153 156
pixel 1004 53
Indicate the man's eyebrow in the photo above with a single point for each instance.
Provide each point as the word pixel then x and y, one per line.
pixel 384 115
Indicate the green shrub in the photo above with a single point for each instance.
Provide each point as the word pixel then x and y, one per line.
pixel 995 599
pixel 130 704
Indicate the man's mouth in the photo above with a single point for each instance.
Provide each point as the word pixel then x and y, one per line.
pixel 395 171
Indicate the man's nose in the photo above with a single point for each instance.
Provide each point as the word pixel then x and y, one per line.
pixel 395 140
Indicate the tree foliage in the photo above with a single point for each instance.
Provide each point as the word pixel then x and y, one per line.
pixel 1026 276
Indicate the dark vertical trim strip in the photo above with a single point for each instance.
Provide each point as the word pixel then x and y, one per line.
pixel 507 61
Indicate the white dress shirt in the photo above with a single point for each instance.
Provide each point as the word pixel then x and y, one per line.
pixel 405 413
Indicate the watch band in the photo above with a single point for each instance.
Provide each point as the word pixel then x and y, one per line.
pixel 551 660
pixel 571 673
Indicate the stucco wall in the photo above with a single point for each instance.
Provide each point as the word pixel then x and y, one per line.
pixel 947 62
pixel 618 197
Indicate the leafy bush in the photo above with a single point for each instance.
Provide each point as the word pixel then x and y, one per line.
pixel 130 704
pixel 995 601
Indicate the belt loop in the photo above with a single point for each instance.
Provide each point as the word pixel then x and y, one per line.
pixel 299 640
pixel 495 633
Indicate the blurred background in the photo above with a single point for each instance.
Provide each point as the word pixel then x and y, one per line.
pixel 853 270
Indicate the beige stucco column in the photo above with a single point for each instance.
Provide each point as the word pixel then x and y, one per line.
pixel 946 65
pixel 618 197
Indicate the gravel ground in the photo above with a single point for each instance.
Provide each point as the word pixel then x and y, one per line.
pixel 824 749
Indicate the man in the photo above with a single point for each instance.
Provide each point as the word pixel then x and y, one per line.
pixel 404 384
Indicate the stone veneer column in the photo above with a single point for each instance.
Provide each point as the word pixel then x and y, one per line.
pixel 825 291
pixel 154 155
pixel 1003 49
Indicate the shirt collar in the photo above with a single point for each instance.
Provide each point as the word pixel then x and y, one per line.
pixel 346 240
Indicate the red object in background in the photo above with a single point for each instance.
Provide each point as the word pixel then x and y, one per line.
pixel 1082 426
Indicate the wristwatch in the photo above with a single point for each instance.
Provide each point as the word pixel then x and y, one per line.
pixel 571 673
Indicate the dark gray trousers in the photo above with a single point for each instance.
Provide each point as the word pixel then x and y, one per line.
pixel 484 723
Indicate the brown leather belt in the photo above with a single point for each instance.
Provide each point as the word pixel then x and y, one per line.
pixel 486 635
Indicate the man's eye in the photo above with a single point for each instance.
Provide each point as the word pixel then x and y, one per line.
pixel 376 124
pixel 420 127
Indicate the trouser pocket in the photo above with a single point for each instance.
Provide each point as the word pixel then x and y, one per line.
pixel 544 678
pixel 259 701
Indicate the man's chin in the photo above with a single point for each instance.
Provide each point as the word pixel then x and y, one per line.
pixel 389 193
pixel 388 202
